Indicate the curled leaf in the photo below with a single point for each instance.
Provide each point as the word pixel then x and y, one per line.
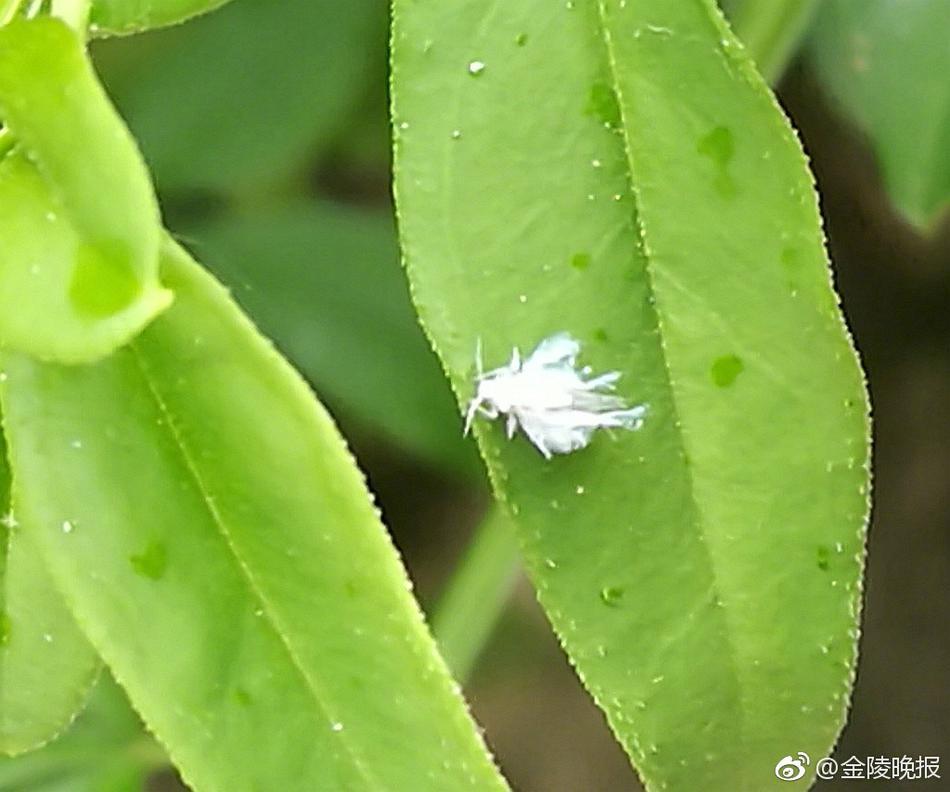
pixel 79 223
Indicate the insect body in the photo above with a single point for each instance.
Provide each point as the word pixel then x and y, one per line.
pixel 549 399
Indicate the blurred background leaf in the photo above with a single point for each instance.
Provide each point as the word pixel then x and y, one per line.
pixel 887 64
pixel 246 96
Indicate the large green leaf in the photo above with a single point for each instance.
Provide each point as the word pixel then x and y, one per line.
pixel 887 63
pixel 78 218
pixel 618 170
pixel 218 547
pixel 121 17
pixel 325 283
pixel 105 750
pixel 241 97
pixel 46 666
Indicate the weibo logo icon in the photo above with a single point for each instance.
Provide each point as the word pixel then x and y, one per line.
pixel 791 768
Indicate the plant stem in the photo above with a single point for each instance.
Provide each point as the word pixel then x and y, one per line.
pixel 477 593
pixel 771 31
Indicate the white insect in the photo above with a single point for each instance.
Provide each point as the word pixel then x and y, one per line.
pixel 549 399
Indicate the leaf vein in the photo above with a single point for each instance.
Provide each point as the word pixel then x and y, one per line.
pixel 247 575
pixel 651 280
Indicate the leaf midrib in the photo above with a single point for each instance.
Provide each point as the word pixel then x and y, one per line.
pixel 677 423
pixel 256 592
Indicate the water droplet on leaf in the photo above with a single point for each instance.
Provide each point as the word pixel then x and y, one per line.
pixel 612 596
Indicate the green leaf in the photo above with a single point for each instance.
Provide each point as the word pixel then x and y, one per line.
pixel 886 64
pixel 46 666
pixel 277 83
pixel 122 17
pixel 325 283
pixel 218 546
pixel 78 218
pixel 619 171
pixel 105 750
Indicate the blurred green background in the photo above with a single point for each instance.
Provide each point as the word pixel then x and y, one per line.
pixel 265 125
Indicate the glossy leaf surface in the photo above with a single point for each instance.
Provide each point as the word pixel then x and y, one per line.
pixel 887 63
pixel 46 665
pixel 122 17
pixel 325 284
pixel 78 219
pixel 220 550
pixel 618 170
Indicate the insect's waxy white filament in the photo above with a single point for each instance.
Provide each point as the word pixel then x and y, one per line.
pixel 549 399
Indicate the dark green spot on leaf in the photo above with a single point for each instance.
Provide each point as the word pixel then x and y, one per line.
pixel 151 562
pixel 580 261
pixel 521 39
pixel 791 259
pixel 823 555
pixel 725 369
pixel 4 628
pixel 602 103
pixel 719 146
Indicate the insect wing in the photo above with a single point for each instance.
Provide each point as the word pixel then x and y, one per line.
pixel 591 401
pixel 549 388
pixel 557 431
pixel 558 350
